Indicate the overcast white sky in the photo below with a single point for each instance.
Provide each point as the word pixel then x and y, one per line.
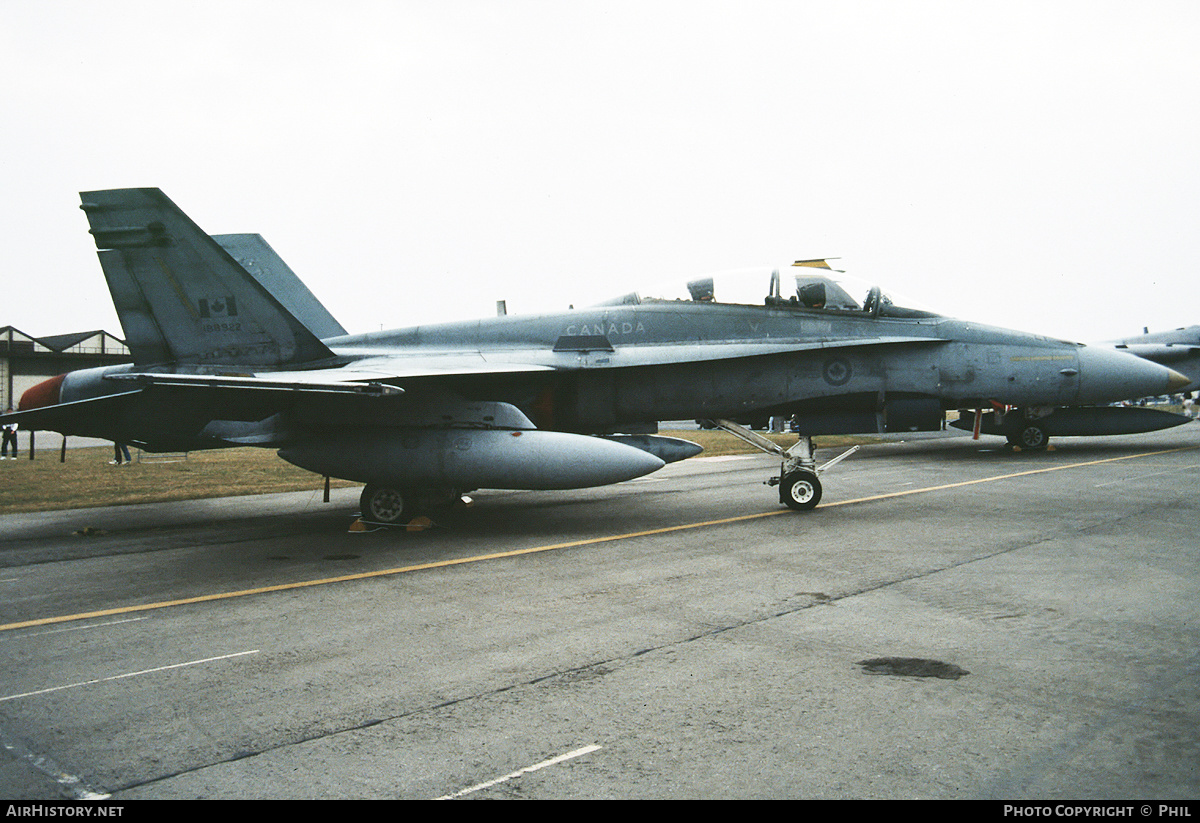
pixel 1032 165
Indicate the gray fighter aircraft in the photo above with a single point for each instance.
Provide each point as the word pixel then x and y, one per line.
pixel 1032 428
pixel 421 415
pixel 1179 349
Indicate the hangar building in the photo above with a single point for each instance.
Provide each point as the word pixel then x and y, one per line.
pixel 26 361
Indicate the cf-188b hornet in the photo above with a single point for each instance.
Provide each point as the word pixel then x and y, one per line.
pixel 1179 349
pixel 557 401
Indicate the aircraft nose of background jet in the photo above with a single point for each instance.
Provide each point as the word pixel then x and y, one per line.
pixel 1177 381
pixel 1107 375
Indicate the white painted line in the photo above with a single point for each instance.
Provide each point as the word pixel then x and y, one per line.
pixel 71 785
pixel 1144 476
pixel 552 761
pixel 89 626
pixel 129 674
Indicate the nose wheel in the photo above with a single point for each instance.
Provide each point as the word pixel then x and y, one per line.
pixel 800 490
pixel 799 487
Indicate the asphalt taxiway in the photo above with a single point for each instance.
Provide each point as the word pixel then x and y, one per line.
pixel 676 636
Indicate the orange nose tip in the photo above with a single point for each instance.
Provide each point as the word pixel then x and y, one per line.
pixel 43 394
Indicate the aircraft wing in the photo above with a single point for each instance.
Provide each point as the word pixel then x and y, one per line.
pixel 567 355
pixel 385 375
pixel 378 381
pixel 699 352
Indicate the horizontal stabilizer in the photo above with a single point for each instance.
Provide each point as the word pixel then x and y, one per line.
pixel 91 414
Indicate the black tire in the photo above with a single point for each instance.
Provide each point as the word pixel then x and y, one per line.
pixel 387 505
pixel 800 491
pixel 1030 437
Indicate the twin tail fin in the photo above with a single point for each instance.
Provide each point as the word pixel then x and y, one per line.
pixel 181 297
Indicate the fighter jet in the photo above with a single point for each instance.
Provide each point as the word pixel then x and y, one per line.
pixel 1179 349
pixel 558 401
pixel 1032 428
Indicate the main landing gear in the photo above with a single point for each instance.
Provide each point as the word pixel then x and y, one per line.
pixel 385 505
pixel 798 481
pixel 1028 435
pixel 1024 428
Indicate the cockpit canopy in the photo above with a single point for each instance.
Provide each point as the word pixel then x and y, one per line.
pixel 808 288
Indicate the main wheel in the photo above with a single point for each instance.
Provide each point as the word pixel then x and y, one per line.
pixel 385 504
pixel 800 490
pixel 1031 437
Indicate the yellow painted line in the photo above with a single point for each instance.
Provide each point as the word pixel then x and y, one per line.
pixel 440 564
pixel 590 541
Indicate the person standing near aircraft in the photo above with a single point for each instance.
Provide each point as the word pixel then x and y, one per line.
pixel 10 437
pixel 120 454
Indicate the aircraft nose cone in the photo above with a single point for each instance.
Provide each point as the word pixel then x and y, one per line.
pixel 1177 381
pixel 1107 376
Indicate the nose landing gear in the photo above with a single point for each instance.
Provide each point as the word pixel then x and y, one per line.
pixel 799 490
pixel 798 481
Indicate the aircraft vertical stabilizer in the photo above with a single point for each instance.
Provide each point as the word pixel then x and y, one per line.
pixel 179 294
pixel 256 256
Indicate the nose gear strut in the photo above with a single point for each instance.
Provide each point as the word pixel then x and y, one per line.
pixel 799 486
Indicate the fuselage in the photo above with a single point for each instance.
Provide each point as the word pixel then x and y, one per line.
pixel 619 367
